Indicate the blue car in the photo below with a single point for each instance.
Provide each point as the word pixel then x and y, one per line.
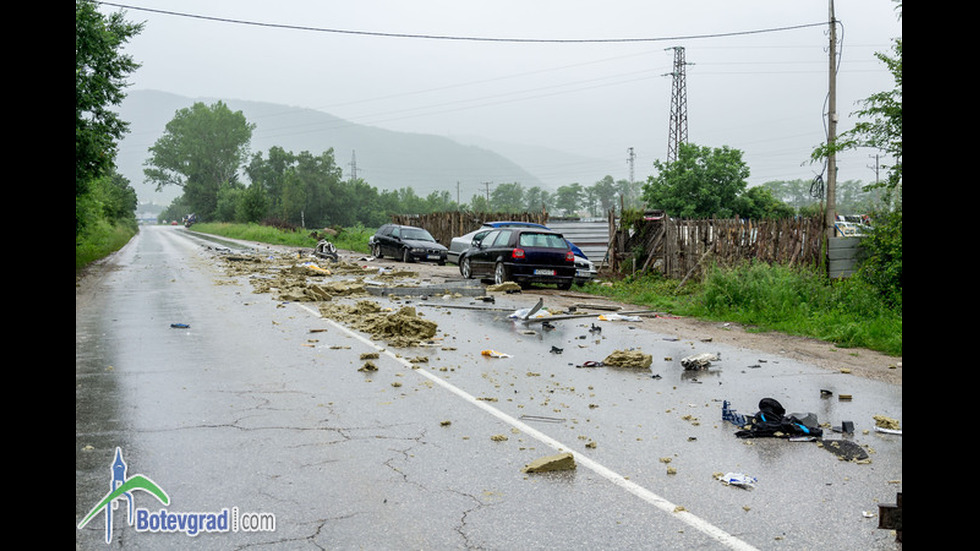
pixel 523 255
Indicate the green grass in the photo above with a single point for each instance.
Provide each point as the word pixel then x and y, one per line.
pixel 101 240
pixel 846 312
pixel 351 239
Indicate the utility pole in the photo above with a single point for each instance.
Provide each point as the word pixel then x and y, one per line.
pixel 677 133
pixel 830 217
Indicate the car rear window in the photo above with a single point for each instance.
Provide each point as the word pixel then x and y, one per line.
pixel 542 240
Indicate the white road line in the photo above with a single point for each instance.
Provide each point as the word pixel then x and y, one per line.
pixel 657 501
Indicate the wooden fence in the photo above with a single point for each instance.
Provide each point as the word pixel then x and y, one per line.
pixel 446 225
pixel 681 248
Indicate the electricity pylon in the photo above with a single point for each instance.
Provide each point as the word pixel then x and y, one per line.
pixel 678 106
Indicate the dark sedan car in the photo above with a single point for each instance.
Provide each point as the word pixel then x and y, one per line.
pixel 522 255
pixel 407 243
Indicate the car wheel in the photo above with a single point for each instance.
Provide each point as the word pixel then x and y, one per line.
pixel 376 250
pixel 465 270
pixel 565 285
pixel 405 256
pixel 500 274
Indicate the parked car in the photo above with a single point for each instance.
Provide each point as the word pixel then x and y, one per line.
pixel 585 270
pixel 407 243
pixel 520 254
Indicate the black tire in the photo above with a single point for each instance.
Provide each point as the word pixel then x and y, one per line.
pixel 406 257
pixel 376 249
pixel 565 285
pixel 465 269
pixel 500 274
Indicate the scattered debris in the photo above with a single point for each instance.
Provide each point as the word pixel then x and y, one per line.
pixel 699 361
pixel 326 249
pixel 542 418
pixel 506 287
pixel 618 317
pixel 730 415
pixel 180 326
pixel 534 311
pixel 772 421
pixel 368 366
pixel 738 480
pixel 402 329
pixel 494 354
pixel 499 437
pixel 628 358
pixel 886 425
pixel 845 450
pixel 561 462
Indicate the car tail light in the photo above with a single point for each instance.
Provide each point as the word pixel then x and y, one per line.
pixel 570 256
pixel 517 253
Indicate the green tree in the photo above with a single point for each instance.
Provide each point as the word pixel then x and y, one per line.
pixel 568 198
pixel 604 193
pixel 508 198
pixel 253 206
pixel 202 149
pixel 270 176
pixel 479 203
pixel 759 203
pixel 701 183
pixel 100 73
pixel 537 200
pixel 631 194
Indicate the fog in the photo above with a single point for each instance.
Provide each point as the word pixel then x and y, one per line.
pixel 584 77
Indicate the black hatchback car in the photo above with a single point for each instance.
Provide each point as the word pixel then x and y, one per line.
pixel 522 255
pixel 407 243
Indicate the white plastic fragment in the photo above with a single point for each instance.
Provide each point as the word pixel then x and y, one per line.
pixel 740 480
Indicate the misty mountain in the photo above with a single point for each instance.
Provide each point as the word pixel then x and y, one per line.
pixel 384 159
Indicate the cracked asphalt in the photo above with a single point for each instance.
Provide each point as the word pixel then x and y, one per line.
pixel 230 399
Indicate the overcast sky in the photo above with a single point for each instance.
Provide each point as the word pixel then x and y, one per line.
pixel 586 77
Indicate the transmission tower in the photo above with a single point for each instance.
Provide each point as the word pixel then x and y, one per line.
pixel 630 157
pixel 353 166
pixel 678 106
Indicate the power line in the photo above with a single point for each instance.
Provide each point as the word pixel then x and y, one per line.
pixel 463 38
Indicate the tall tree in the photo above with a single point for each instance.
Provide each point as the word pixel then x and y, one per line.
pixel 702 182
pixel 604 192
pixel 508 198
pixel 202 149
pixel 100 73
pixel 568 198
pixel 537 200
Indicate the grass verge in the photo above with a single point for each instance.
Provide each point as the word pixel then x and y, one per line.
pixel 351 239
pixel 845 312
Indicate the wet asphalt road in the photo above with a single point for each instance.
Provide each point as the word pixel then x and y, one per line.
pixel 246 410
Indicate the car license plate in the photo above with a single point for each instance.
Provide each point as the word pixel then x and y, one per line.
pixel 433 257
pixel 544 272
pixel 582 273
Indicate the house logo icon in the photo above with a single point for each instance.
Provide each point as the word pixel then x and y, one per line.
pixel 122 488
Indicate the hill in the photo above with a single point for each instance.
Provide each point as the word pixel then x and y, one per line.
pixel 384 159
